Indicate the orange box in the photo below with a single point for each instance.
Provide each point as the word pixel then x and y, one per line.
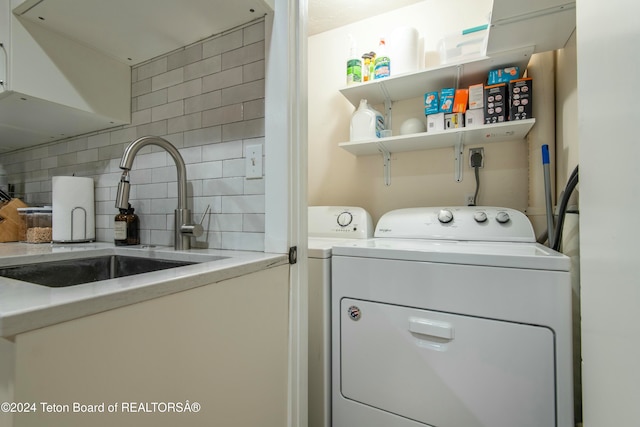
pixel 460 101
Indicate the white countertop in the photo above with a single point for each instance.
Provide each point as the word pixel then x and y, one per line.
pixel 26 306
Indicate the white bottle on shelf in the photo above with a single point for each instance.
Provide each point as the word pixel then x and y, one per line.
pixel 382 66
pixel 354 64
pixel 366 123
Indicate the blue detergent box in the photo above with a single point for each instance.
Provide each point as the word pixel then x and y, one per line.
pixel 503 75
pixel 431 104
pixel 446 99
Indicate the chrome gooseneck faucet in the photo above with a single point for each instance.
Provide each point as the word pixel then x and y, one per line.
pixel 184 228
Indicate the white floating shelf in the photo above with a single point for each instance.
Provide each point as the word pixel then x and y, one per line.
pixel 499 132
pixel 518 29
pixel 411 85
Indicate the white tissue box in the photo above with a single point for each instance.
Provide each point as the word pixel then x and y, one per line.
pixel 435 122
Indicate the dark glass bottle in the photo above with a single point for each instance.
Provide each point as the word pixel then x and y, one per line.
pixel 126 228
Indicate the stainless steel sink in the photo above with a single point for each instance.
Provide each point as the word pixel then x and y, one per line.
pixel 71 272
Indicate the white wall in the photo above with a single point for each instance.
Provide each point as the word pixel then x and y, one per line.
pixel 566 159
pixel 567 143
pixel 286 224
pixel 607 44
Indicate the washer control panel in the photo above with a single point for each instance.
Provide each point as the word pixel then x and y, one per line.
pixel 481 223
pixel 340 221
pixel 345 219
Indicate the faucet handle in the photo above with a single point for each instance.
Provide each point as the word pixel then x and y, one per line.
pixel 195 230
pixel 206 211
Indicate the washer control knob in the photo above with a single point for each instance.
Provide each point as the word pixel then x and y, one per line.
pixel 445 216
pixel 502 217
pixel 344 219
pixel 480 216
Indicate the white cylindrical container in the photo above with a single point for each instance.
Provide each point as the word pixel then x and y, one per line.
pixel 403 49
pixel 74 218
pixel 366 123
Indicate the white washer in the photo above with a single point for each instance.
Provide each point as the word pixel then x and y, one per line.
pixel 451 317
pixel 328 226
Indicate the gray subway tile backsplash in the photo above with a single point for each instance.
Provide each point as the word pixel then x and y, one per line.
pixel 202 68
pixel 151 68
pixel 168 79
pixel 208 100
pixel 184 57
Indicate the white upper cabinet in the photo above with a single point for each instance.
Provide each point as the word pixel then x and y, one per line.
pixel 543 24
pixel 54 87
pixel 67 67
pixel 135 31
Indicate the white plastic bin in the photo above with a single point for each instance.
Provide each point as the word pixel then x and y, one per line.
pixel 464 45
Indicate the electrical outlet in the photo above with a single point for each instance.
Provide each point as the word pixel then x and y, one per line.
pixel 253 162
pixel 473 151
pixel 468 200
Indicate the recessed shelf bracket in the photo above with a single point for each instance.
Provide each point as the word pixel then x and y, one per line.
pixel 387 106
pixel 458 148
pixel 387 113
pixel 386 155
pixel 458 152
pixel 458 76
pixel 386 159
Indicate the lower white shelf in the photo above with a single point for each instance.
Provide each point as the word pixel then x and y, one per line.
pixel 499 132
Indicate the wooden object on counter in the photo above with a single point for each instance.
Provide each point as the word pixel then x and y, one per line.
pixel 10 221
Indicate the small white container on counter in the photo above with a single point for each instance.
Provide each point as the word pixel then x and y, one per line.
pixel 74 218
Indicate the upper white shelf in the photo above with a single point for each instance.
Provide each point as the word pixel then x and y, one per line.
pixel 518 29
pixel 499 132
pixel 412 85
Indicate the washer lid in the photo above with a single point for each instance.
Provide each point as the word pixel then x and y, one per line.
pixel 494 254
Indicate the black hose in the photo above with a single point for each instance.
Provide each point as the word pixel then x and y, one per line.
pixel 556 242
pixel 475 196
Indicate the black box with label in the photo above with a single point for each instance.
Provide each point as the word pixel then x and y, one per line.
pixel 496 104
pixel 520 99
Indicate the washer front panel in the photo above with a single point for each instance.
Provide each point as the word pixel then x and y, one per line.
pixel 482 318
pixel 446 370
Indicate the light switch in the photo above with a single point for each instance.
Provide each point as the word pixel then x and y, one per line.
pixel 253 161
